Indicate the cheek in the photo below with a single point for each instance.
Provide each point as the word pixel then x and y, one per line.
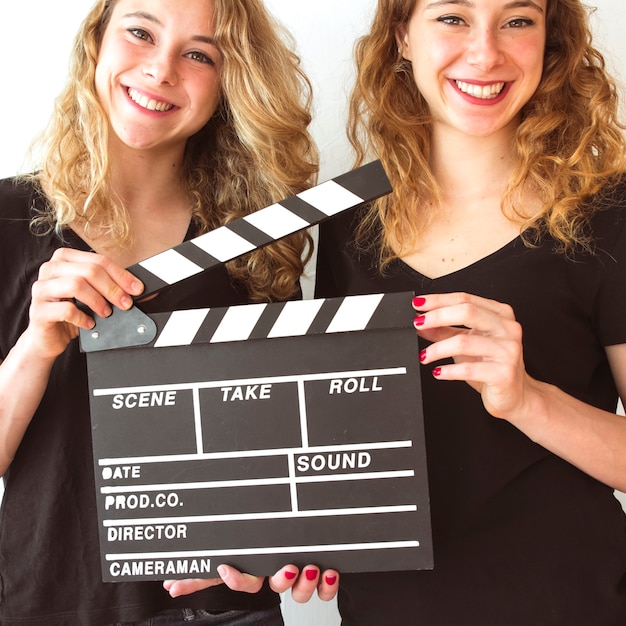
pixel 433 55
pixel 209 95
pixel 529 56
pixel 100 83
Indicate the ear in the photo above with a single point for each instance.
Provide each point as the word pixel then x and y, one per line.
pixel 403 42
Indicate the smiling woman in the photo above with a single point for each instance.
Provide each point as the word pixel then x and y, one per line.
pixel 498 126
pixel 176 118
pixel 158 74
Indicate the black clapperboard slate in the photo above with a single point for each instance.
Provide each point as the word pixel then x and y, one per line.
pixel 262 434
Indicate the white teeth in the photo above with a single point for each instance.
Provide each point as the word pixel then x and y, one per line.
pixel 485 92
pixel 147 103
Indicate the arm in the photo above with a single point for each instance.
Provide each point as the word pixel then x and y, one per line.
pixel 302 584
pixel 54 321
pixel 488 356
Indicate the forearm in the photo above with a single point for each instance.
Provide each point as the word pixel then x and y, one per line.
pixel 24 376
pixel 589 438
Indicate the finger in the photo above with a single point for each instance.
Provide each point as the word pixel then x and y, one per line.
pixel 468 316
pixel 284 578
pixel 127 281
pixel 90 271
pixel 328 585
pixel 306 584
pixel 502 389
pixel 186 586
pixel 48 313
pixel 465 345
pixel 432 335
pixel 441 300
pixel 476 373
pixel 239 581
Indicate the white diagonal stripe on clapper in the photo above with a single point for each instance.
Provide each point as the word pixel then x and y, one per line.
pixel 223 244
pixel 354 313
pixel 170 266
pixel 181 328
pixel 276 221
pixel 238 323
pixel 296 318
pixel 330 198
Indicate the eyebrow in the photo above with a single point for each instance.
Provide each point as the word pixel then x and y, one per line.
pixel 467 3
pixel 152 18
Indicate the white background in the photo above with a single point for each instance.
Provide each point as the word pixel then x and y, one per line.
pixel 35 40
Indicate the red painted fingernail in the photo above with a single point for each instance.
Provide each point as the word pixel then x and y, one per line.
pixel 437 372
pixel 422 356
pixel 418 302
pixel 290 575
pixel 310 574
pixel 419 320
pixel 331 580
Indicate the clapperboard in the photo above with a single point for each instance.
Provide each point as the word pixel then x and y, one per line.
pixel 262 434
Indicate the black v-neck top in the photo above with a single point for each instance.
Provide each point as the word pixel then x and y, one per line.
pixel 49 552
pixel 521 537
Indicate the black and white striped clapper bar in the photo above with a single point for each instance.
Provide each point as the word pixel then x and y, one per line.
pixel 262 434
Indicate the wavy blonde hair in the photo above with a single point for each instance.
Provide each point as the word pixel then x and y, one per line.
pixel 569 145
pixel 254 151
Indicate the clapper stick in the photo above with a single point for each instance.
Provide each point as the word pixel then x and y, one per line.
pixel 295 213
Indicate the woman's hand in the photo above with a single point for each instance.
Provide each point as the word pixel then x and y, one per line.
pixel 485 342
pixel 72 275
pixel 302 584
pixel 55 320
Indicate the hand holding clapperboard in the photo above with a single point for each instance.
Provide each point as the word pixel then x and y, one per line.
pixel 215 441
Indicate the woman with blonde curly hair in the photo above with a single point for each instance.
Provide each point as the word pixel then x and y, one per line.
pixel 177 118
pixel 497 124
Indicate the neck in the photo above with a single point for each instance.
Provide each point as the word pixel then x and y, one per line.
pixel 147 181
pixel 468 167
pixel 158 206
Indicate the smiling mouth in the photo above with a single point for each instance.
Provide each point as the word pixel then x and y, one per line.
pixel 484 92
pixel 148 103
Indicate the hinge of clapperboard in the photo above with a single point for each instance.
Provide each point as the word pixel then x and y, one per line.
pixel 133 327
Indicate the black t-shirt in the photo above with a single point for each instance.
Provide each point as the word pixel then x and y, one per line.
pixel 521 537
pixel 49 553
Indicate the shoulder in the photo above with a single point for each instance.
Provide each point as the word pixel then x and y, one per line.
pixel 17 197
pixel 20 200
pixel 608 219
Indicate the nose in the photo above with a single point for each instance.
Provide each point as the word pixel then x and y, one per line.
pixel 484 50
pixel 161 67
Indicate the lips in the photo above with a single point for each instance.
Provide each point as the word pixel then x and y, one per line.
pixel 148 103
pixel 482 92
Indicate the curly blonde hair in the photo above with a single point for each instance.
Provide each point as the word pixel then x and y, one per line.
pixel 254 151
pixel 569 146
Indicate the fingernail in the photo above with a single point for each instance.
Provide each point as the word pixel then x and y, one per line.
pixel 419 302
pixel 107 311
pixel 437 372
pixel 310 574
pixel 126 302
pixel 136 287
pixel 290 575
pixel 419 320
pixel 422 356
pixel 331 580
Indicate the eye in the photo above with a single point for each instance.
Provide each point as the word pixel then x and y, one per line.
pixel 140 33
pixel 451 20
pixel 519 22
pixel 201 57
